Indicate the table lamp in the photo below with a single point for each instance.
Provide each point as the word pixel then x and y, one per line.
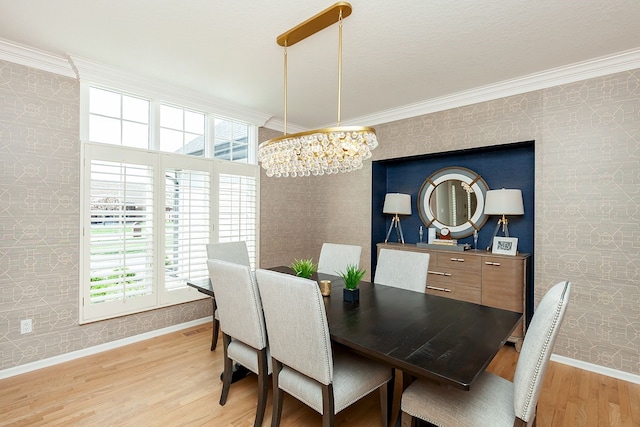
pixel 396 204
pixel 503 202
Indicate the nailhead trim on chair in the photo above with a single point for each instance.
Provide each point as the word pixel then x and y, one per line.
pixel 327 352
pixel 527 405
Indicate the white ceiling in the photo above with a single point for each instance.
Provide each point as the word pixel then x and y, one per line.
pixel 396 53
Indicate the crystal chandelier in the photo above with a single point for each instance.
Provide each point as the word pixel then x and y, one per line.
pixel 316 152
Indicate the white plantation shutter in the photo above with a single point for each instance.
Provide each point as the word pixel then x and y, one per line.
pixel 187 224
pixel 147 218
pixel 118 232
pixel 238 205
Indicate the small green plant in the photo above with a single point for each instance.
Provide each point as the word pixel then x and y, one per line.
pixel 304 267
pixel 352 276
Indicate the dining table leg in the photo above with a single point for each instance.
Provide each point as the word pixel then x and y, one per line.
pixel 216 326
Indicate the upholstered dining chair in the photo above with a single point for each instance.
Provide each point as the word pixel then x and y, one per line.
pixel 305 365
pixel 402 269
pixel 493 400
pixel 243 329
pixel 334 257
pixel 226 251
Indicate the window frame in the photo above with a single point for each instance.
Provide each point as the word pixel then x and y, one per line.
pixel 163 161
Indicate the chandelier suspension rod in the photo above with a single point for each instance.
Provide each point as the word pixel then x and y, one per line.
pixel 285 87
pixel 339 65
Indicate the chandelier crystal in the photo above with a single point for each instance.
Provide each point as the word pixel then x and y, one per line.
pixel 329 150
pixel 321 151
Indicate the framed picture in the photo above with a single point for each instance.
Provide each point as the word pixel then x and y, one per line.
pixel 505 245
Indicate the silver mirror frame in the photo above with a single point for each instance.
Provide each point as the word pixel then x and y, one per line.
pixel 473 180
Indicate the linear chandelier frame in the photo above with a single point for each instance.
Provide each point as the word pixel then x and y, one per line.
pixel 327 150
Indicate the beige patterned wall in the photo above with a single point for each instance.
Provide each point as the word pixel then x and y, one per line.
pixel 587 157
pixel 587 169
pixel 39 224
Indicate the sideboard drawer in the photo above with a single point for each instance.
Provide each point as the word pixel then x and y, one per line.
pixel 467 261
pixel 455 291
pixel 450 276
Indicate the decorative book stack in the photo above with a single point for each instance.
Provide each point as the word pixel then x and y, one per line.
pixel 447 242
pixel 447 245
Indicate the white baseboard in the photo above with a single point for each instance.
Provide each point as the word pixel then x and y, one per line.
pixel 45 363
pixel 603 370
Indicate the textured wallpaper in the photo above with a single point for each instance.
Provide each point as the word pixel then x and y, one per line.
pixel 587 168
pixel 40 223
pixel 587 214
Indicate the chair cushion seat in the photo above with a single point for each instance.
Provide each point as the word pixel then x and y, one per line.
pixel 246 355
pixel 353 378
pixel 488 403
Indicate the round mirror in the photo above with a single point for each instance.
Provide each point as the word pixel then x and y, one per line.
pixel 453 198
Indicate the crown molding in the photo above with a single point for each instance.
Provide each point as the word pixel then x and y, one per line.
pixel 94 73
pixel 35 58
pixel 85 70
pixel 598 67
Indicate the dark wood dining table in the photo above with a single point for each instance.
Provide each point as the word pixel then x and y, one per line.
pixel 425 336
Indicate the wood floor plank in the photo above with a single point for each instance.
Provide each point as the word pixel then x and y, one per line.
pixel 175 380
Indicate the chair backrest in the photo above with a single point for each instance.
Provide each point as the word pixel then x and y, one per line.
pixel 402 269
pixel 238 300
pixel 536 350
pixel 296 324
pixel 229 251
pixel 334 257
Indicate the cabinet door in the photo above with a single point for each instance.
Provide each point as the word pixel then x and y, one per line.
pixel 503 283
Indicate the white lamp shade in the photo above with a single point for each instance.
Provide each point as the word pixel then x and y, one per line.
pixel 397 203
pixel 504 202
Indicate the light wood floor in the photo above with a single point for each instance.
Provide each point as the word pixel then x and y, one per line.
pixel 173 380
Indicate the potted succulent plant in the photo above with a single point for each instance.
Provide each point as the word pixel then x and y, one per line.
pixel 304 267
pixel 351 277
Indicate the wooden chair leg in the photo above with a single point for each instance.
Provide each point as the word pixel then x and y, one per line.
pixel 228 370
pixel 384 404
pixel 328 408
pixel 276 416
pixel 263 377
pixel 216 326
pixel 407 420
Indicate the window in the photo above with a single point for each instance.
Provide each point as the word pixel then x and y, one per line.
pixel 237 206
pixel 118 119
pixel 187 213
pixel 231 140
pixel 148 214
pixel 182 131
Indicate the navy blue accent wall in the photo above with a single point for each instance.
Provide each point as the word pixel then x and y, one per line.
pixel 503 166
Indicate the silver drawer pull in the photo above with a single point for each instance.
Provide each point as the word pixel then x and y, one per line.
pixel 497 264
pixel 438 273
pixel 435 288
pixel 457 259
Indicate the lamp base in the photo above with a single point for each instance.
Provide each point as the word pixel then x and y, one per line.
pixel 395 223
pixel 505 227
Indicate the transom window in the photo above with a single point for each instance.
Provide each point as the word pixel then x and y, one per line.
pixel 118 119
pixel 182 131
